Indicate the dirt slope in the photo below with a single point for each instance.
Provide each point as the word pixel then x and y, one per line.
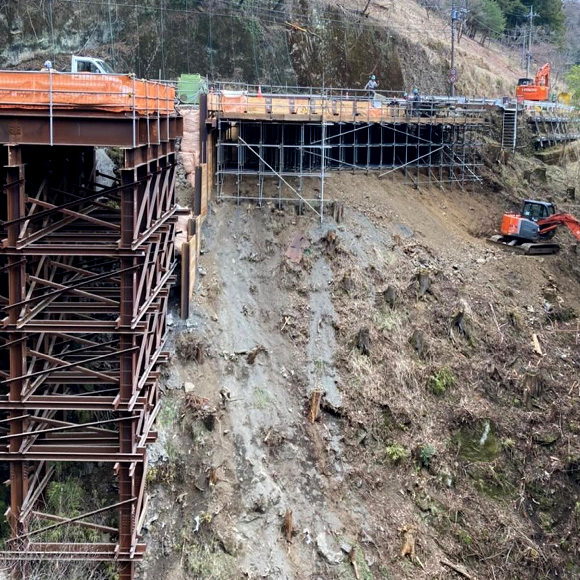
pixel 420 334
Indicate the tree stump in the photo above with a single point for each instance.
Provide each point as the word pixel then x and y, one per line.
pixel 417 341
pixel 330 240
pixel 362 341
pixel 338 212
pixel 390 296
pixel 531 387
pixel 540 174
pixel 531 382
pixel 347 284
pixel 424 283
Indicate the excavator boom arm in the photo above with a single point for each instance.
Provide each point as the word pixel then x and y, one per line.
pixel 561 219
pixel 543 75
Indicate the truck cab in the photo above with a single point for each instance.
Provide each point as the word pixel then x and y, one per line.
pixel 84 64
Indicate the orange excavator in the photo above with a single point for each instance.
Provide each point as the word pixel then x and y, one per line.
pixel 537 89
pixel 531 230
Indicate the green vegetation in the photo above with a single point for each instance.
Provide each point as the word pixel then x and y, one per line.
pixel 464 537
pixel 67 499
pixel 206 559
pixel 396 453
pixel 573 80
pixel 550 13
pixel 441 380
pixel 491 18
pixel 486 18
pixel 262 398
pixel 426 454
pixel 4 526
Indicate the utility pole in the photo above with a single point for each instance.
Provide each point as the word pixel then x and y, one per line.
pixel 453 72
pixel 523 63
pixel 529 55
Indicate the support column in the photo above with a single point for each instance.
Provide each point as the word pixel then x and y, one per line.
pixel 16 279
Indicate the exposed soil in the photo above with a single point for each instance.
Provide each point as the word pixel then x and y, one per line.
pixel 442 434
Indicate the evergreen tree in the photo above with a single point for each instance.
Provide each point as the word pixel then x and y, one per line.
pixel 514 11
pixel 550 13
pixel 486 18
pixel 573 80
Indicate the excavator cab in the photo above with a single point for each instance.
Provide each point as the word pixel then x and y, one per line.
pixel 537 210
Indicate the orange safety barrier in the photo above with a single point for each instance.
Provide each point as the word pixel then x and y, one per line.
pixel 112 93
pixel 332 108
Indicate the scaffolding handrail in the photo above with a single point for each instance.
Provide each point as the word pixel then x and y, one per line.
pixel 112 93
pixel 329 91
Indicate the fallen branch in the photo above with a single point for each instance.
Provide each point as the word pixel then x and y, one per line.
pixel 496 322
pixel 295 26
pixel 459 569
pixel 301 29
pixel 288 525
pixel 315 399
pixel 352 560
pixel 537 346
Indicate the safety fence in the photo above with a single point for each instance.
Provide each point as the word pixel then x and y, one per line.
pixel 342 107
pixel 85 91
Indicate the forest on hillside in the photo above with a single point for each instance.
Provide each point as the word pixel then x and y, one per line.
pixel 509 20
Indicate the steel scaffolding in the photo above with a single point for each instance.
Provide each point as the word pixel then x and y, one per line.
pixel 285 140
pixel 289 153
pixel 85 273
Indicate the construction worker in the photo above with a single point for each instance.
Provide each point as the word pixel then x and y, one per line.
pixel 371 86
pixel 47 66
pixel 408 103
pixel 416 101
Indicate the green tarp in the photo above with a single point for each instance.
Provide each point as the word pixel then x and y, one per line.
pixel 189 88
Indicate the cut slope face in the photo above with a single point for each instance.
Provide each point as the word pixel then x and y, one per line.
pixel 442 430
pixel 305 42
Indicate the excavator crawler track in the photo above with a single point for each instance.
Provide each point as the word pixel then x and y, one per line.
pixel 528 248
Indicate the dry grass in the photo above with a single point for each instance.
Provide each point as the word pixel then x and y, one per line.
pixel 390 391
pixel 491 70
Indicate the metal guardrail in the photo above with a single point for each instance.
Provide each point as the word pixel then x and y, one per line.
pixel 340 92
pixel 357 94
pixel 549 106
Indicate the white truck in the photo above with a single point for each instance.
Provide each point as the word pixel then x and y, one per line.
pixel 85 64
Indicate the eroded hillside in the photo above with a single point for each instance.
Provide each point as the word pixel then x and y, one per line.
pixel 447 439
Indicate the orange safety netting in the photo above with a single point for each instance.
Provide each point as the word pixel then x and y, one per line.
pixel 113 93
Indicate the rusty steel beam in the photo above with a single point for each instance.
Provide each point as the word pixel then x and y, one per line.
pixel 84 319
pixel 16 127
pixel 98 527
pixel 78 551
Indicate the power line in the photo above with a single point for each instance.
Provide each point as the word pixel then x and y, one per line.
pixel 268 14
